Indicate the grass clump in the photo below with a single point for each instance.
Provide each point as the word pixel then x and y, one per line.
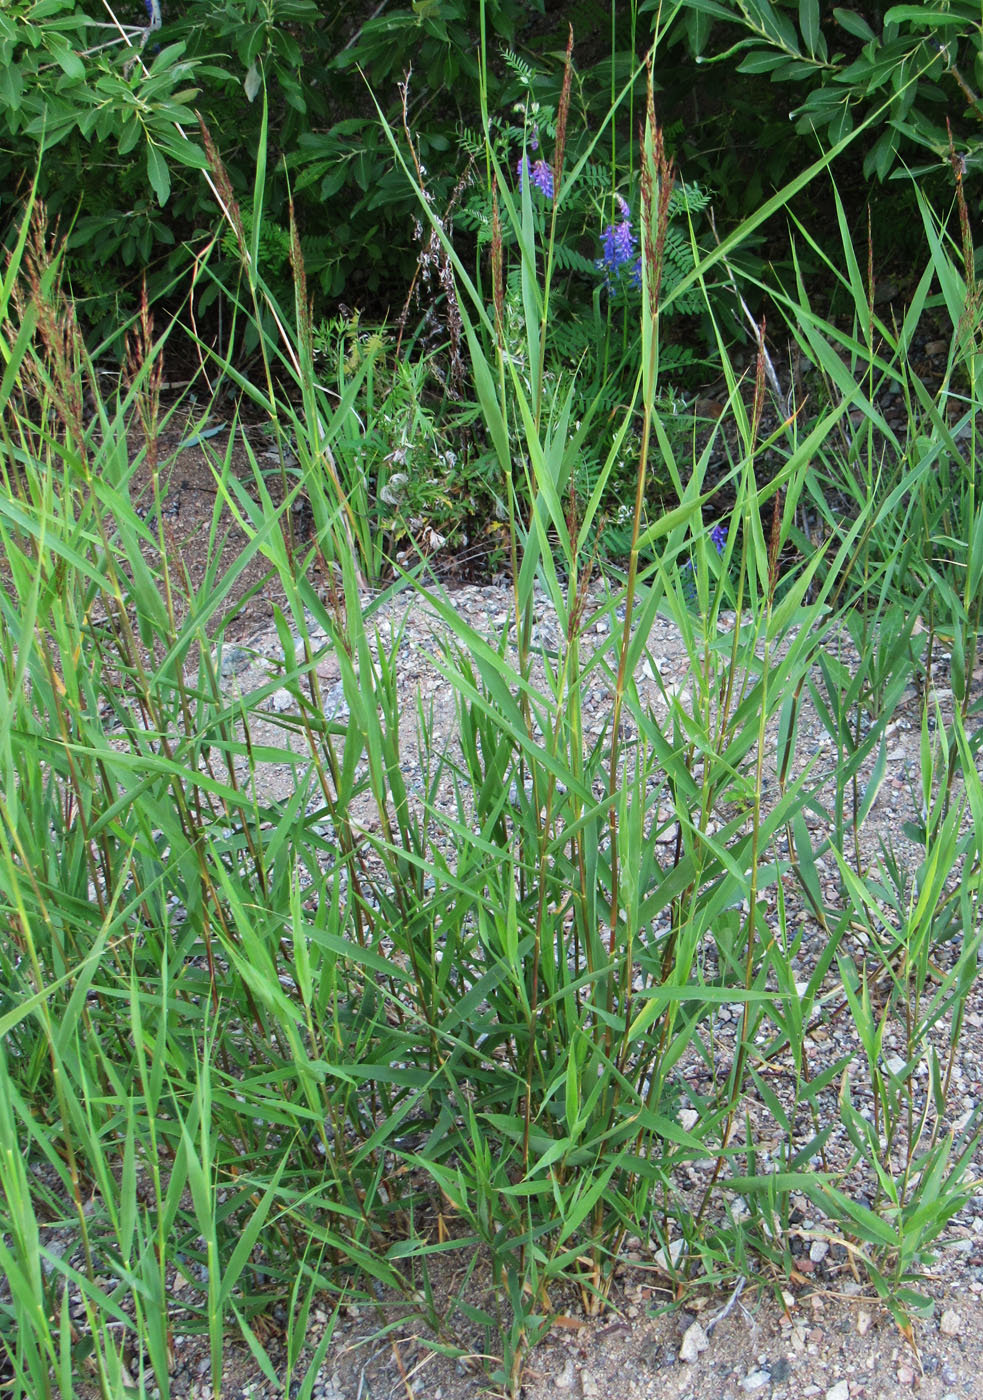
pixel 259 1051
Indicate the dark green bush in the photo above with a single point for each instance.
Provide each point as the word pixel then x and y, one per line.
pixel 745 88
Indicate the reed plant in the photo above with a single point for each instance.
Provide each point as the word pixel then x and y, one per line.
pixel 257 1053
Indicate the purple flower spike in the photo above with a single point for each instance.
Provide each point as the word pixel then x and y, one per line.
pixel 618 244
pixel 541 176
pixel 719 537
pixel 619 249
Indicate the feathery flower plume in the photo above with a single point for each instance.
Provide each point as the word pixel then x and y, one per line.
pixel 563 110
pixel 498 281
pixel 658 178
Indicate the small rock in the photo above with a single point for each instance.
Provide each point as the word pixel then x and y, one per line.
pixel 335 703
pixel 839 1391
pixel 694 1341
pixel 688 1118
pixel 233 659
pixel 588 1385
pixel 818 1251
pixel 567 1378
pixel 755 1380
pixel 652 1353
pixel 906 1375
pixel 950 1324
pixel 668 1262
pixel 864 1321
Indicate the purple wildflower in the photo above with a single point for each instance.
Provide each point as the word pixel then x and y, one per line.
pixel 618 244
pixel 541 176
pixel 619 249
pixel 718 538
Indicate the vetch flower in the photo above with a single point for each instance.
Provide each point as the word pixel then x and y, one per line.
pixel 718 538
pixel 541 176
pixel 619 249
pixel 618 243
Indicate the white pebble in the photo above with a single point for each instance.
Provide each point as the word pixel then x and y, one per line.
pixel 950 1324
pixel 694 1341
